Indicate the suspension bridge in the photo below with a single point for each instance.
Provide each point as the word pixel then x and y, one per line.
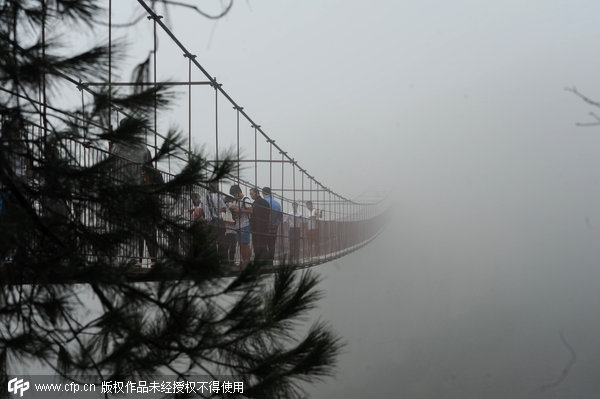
pixel 316 223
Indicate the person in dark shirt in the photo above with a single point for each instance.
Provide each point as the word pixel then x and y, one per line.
pixel 151 179
pixel 259 224
pixel 275 217
pixel 295 223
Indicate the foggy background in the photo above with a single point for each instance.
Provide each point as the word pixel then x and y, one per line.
pixel 460 109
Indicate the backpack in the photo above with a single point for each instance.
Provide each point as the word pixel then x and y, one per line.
pixel 242 205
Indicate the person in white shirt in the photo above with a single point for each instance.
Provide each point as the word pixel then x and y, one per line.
pixel 294 221
pixel 242 209
pixel 230 230
pixel 312 230
pixel 213 205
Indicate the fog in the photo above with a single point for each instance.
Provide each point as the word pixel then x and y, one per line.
pixel 439 307
pixel 459 109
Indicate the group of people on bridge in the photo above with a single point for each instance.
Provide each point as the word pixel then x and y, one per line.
pixel 244 227
pixel 252 227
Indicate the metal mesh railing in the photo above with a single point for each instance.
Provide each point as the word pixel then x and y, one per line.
pixel 314 224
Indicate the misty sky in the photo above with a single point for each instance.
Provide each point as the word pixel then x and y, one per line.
pixel 466 96
pixel 460 108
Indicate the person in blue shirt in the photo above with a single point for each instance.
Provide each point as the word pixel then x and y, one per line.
pixel 274 222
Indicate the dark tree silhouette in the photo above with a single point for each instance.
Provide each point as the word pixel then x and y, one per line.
pixel 70 295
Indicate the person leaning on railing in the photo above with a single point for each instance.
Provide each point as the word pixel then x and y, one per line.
pixel 213 205
pixel 196 212
pixel 259 225
pixel 294 222
pixel 241 210
pixel 275 217
pixel 312 230
pixel 151 178
pixel 230 233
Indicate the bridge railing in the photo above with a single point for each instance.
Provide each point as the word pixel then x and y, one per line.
pixel 343 225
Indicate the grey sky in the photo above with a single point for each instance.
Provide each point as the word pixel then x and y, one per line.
pixel 419 94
